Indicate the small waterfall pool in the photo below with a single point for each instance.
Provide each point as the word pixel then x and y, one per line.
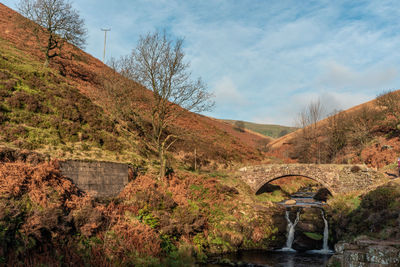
pixel 302 200
pixel 274 259
pixel 287 256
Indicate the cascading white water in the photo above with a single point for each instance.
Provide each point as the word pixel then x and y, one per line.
pixel 290 230
pixel 325 249
pixel 326 232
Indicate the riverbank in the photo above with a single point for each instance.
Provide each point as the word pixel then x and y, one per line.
pixel 366 228
pixel 270 258
pixel 366 252
pixel 181 219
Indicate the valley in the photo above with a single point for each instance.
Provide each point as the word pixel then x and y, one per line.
pixel 91 174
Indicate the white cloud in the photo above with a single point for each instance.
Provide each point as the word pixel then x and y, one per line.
pixel 226 93
pixel 265 59
pixel 338 76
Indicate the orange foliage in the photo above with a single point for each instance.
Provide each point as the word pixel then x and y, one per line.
pixel 141 183
pixel 133 236
pixel 43 183
pixel 179 185
pixel 382 153
pixel 257 234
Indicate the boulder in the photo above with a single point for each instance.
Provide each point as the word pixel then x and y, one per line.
pixel 290 202
pixel 308 227
pixel 303 243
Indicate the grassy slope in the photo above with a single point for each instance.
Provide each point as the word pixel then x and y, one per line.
pixel 41 111
pixel 82 77
pixel 271 130
pixel 57 111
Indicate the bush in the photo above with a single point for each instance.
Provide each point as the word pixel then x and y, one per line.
pixel 3 114
pixel 381 198
pixel 378 212
pixel 355 169
pixel 111 143
pixel 129 237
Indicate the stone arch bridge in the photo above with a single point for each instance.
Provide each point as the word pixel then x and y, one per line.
pixel 336 178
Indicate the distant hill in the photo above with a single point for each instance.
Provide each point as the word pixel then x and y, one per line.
pixel 271 130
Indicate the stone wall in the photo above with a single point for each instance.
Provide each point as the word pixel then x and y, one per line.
pixel 101 179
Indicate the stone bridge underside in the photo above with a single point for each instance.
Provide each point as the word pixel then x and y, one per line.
pixel 336 178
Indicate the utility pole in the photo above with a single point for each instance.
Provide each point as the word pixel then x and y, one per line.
pixel 105 38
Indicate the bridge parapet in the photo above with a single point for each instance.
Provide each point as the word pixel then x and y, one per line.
pixel 337 178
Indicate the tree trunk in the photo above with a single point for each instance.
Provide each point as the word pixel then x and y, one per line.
pixel 46 62
pixel 162 162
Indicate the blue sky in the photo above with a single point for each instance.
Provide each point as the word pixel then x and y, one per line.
pixel 264 60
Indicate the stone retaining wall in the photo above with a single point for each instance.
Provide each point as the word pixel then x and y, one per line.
pixel 101 179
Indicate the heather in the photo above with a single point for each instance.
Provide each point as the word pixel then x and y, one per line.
pixel 182 219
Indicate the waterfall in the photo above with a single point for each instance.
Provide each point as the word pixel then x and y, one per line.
pixel 326 232
pixel 325 249
pixel 290 230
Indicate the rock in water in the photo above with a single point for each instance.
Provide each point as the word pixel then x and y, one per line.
pixel 290 202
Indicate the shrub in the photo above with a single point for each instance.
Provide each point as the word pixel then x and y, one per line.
pixel 129 237
pixel 111 143
pixel 381 198
pixel 3 114
pixel 355 169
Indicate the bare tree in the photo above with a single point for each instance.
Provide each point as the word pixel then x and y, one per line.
pixel 311 114
pixel 55 22
pixel 158 63
pixel 308 144
pixel 336 133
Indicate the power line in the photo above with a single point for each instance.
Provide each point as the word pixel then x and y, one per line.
pixel 105 38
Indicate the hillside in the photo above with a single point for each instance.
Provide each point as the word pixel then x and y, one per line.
pixel 69 111
pixel 79 108
pixel 271 130
pixel 367 133
pixel 287 138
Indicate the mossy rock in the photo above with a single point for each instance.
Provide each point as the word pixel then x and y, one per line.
pixel 314 236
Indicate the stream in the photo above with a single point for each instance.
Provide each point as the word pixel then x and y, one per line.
pixel 287 256
pixel 273 259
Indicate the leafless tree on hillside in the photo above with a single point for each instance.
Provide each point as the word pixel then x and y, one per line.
pixel 54 23
pixel 307 143
pixel 310 114
pixel 158 63
pixel 335 133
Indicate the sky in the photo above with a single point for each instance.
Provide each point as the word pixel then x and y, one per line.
pixel 264 60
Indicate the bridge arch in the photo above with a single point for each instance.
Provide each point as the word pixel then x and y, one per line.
pixel 259 190
pixel 337 178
